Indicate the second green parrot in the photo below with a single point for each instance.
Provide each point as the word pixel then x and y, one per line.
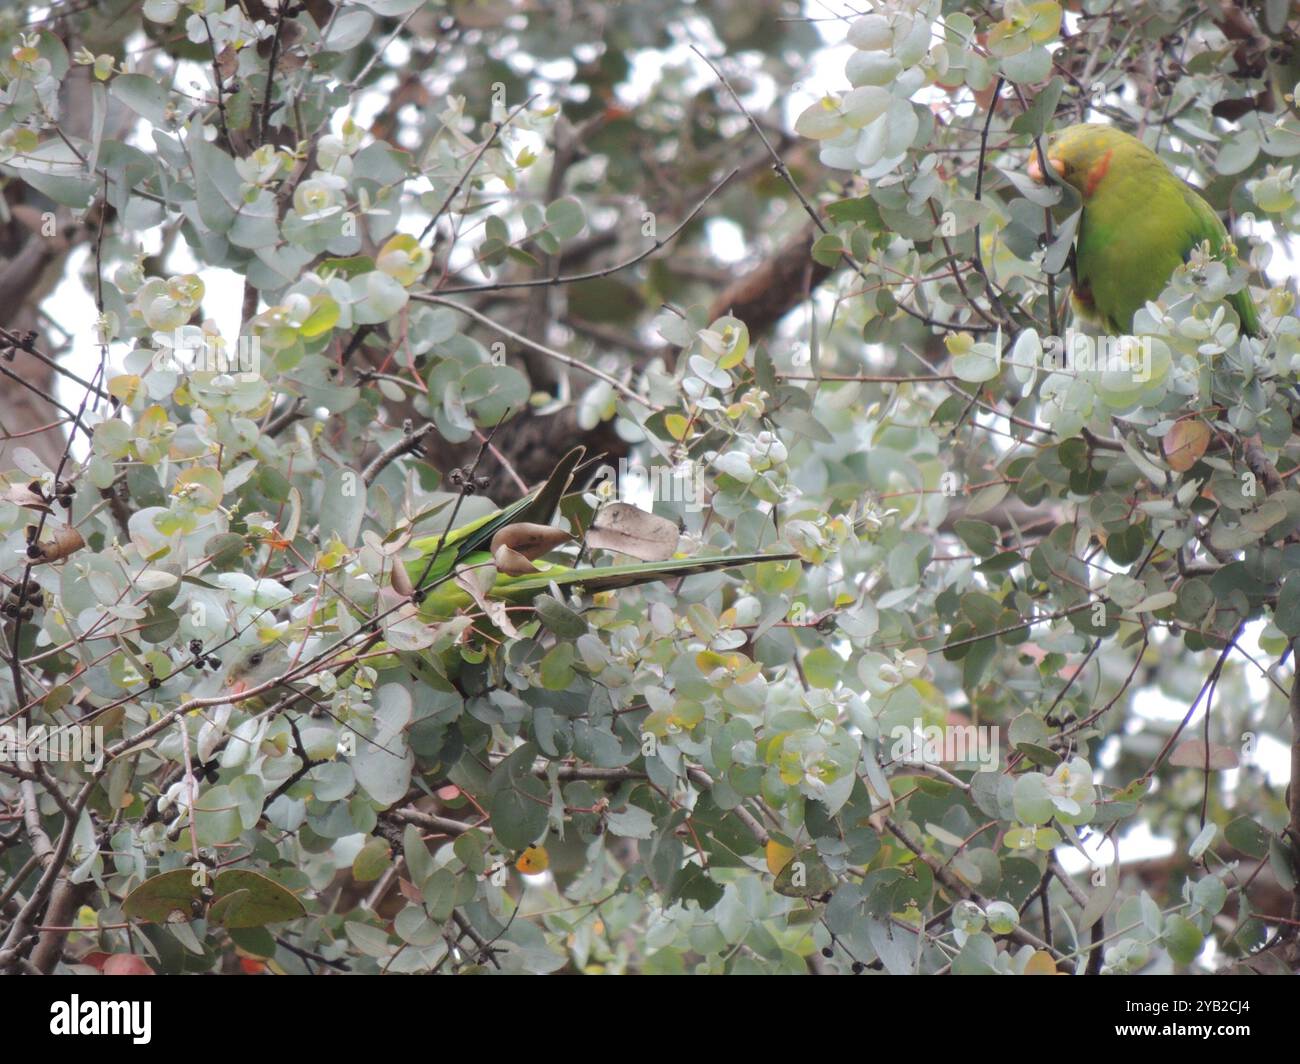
pixel 491 567
pixel 474 546
pixel 1140 222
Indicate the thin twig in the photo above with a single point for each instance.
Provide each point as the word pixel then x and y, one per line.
pixel 590 275
pixel 549 352
pixel 408 443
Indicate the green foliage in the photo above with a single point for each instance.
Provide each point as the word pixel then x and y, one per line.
pixel 315 735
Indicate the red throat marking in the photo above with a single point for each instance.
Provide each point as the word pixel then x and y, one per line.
pixel 1098 171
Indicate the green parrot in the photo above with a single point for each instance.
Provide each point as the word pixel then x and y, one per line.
pixel 474 546
pixel 465 570
pixel 1140 222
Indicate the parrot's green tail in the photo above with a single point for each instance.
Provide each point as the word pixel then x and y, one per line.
pixel 442 594
pixel 599 578
pixel 1246 310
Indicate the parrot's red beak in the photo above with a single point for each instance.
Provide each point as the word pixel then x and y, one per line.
pixel 1036 172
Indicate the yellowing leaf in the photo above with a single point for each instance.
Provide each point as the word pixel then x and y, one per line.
pixel 533 861
pixel 324 314
pixel 805 876
pixel 403 259
pixel 202 485
pixel 1185 443
pixel 778 856
pixel 1041 963
pixel 124 387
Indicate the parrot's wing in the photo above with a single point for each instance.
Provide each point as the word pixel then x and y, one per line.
pixel 610 577
pixel 537 507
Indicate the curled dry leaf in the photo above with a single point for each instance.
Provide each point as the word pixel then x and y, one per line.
pixel 63 541
pixel 529 540
pixel 629 530
pixel 401 581
pixel 512 563
pixel 22 495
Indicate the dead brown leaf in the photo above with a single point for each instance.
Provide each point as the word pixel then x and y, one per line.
pixel 529 540
pixel 64 540
pixel 629 530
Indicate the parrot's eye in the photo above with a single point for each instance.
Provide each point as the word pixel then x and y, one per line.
pixel 255 659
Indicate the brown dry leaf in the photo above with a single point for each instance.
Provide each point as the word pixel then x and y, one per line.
pixel 629 530
pixel 288 62
pixel 22 495
pixel 227 62
pixel 401 581
pixel 64 541
pixel 1185 443
pixel 1191 754
pixel 512 563
pixel 529 540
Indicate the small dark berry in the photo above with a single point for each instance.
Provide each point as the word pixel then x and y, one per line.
pixel 858 967
pixel 827 952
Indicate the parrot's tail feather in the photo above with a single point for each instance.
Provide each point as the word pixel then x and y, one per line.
pixel 611 577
